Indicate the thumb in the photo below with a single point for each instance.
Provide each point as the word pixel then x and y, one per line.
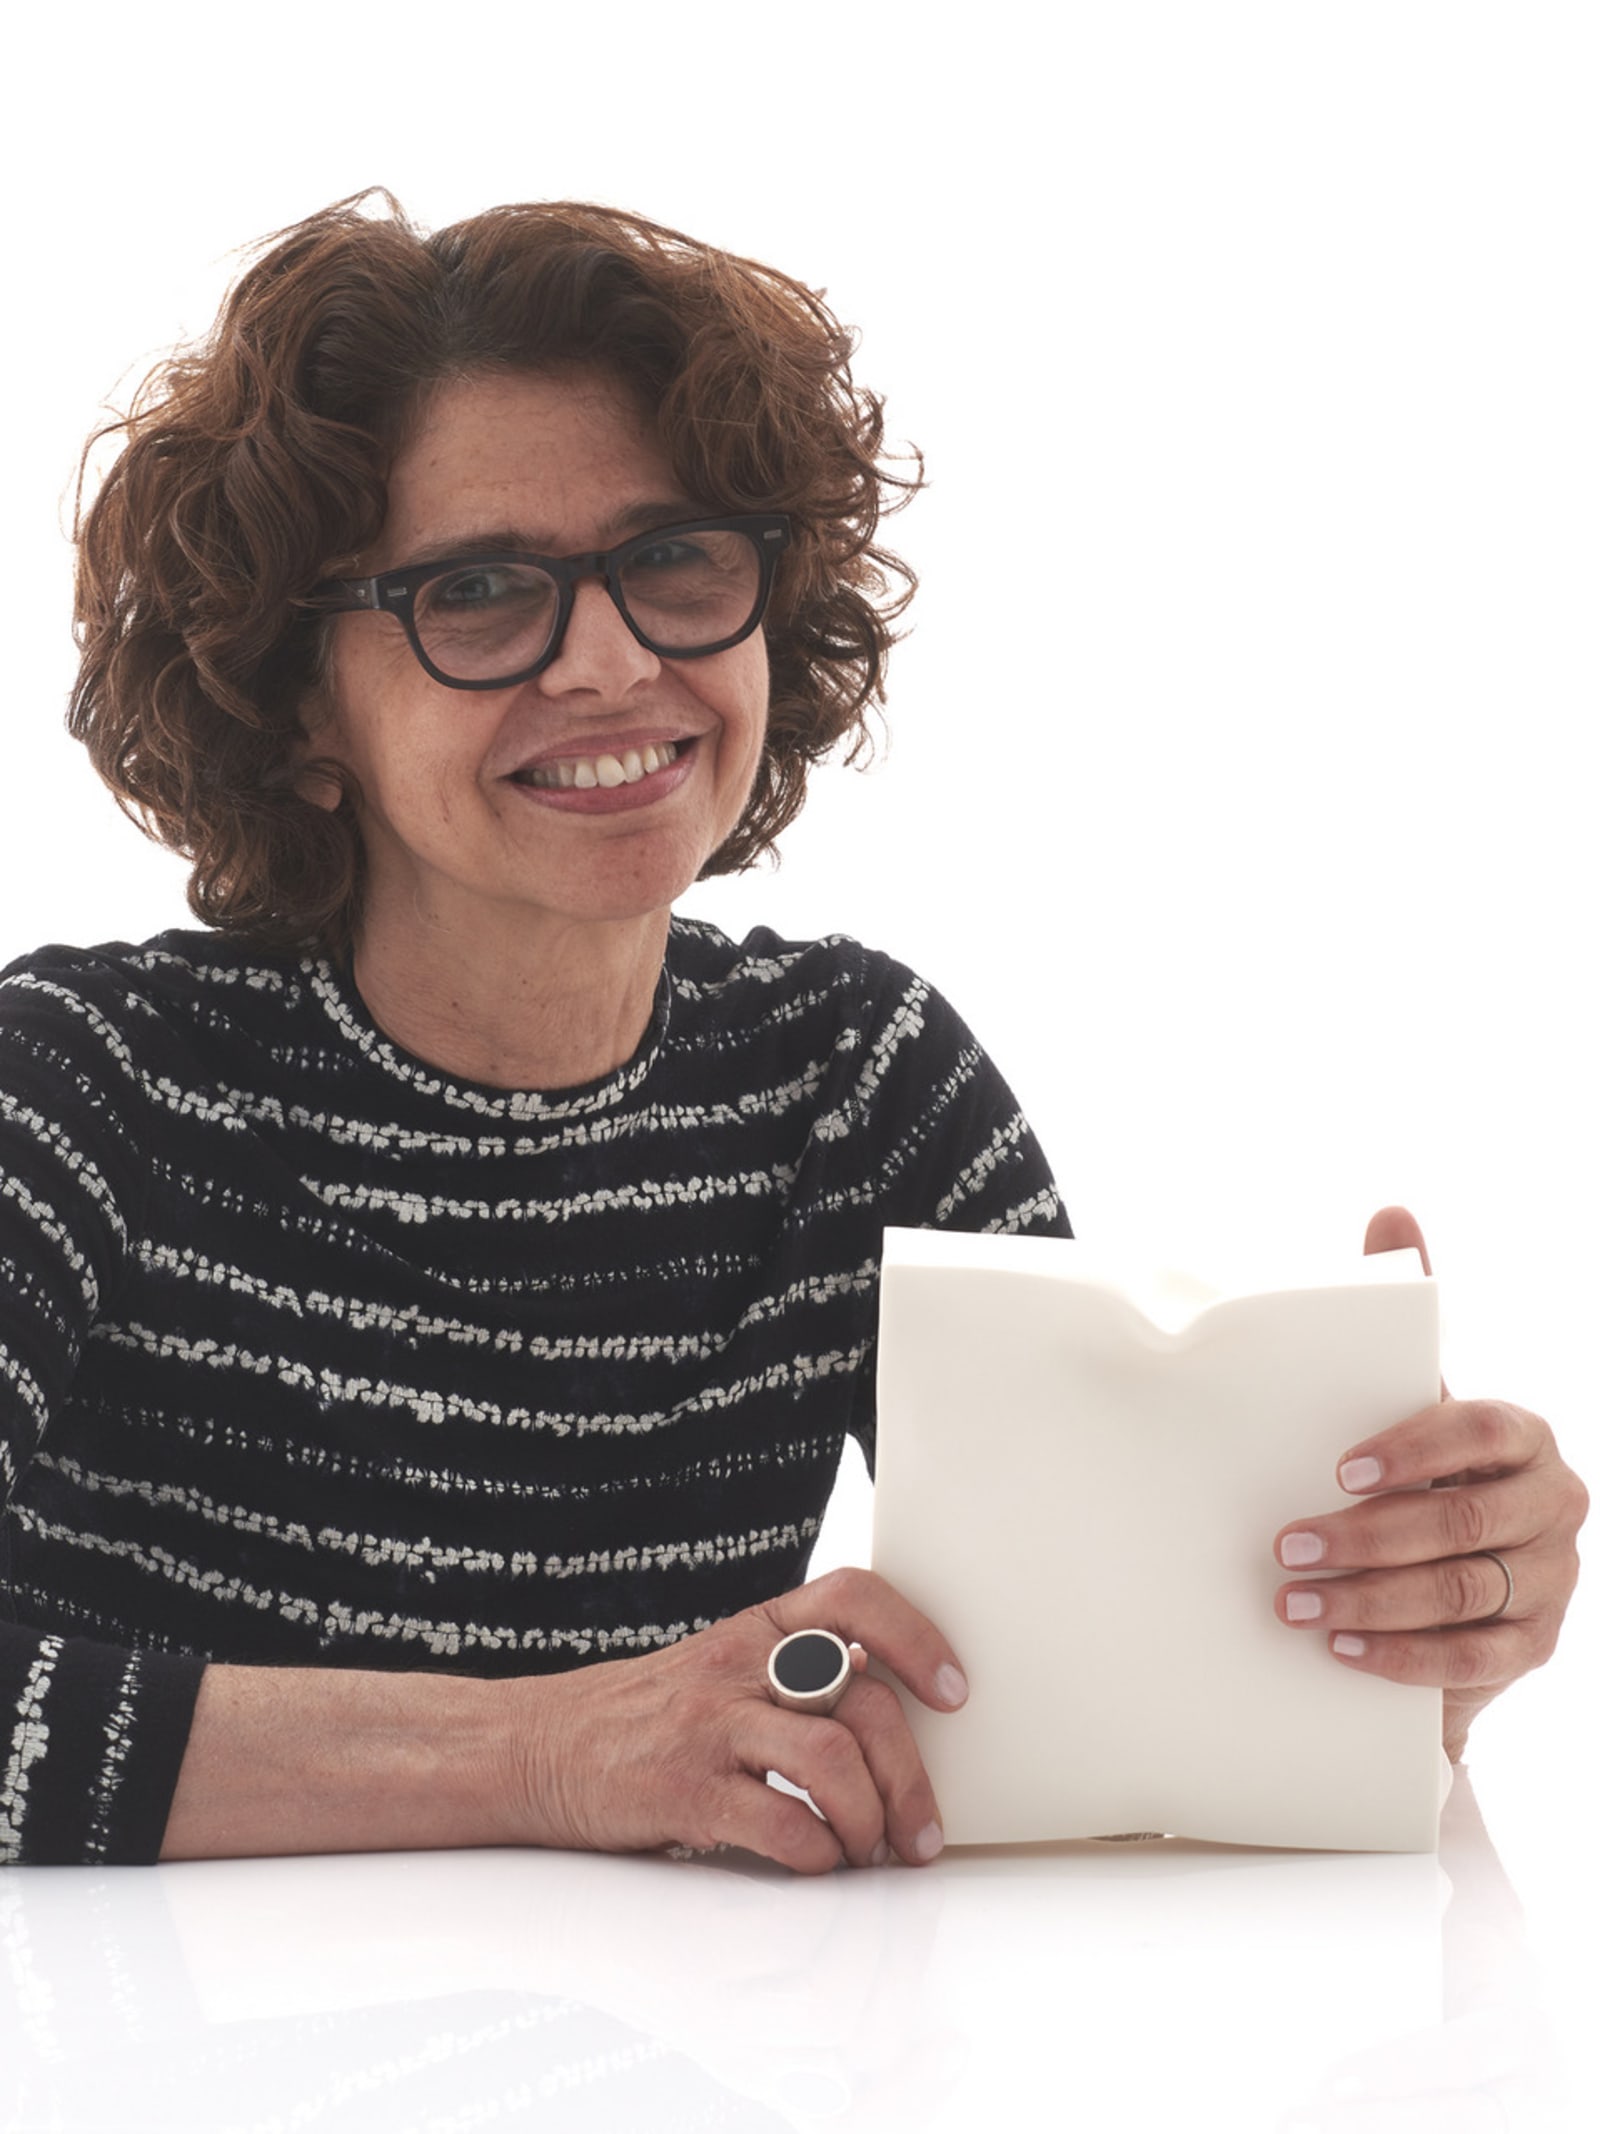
pixel 1392 1230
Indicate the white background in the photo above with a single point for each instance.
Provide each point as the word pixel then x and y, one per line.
pixel 1241 789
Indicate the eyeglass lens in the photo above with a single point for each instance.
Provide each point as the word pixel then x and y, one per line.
pixel 683 592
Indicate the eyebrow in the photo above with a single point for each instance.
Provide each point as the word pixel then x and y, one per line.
pixel 529 541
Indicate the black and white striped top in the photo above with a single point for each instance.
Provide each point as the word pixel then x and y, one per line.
pixel 309 1353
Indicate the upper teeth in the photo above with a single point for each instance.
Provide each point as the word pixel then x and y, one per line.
pixel 585 772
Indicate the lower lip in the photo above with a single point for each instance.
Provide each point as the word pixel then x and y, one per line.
pixel 613 799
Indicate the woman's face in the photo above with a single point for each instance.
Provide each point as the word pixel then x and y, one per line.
pixel 456 831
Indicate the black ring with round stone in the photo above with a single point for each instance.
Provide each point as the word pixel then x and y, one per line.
pixel 809 1671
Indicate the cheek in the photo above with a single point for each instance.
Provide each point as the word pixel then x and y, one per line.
pixel 744 736
pixel 747 698
pixel 383 723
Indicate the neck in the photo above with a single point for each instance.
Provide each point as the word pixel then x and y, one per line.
pixel 556 1004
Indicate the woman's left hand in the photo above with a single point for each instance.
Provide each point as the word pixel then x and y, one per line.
pixel 1420 1601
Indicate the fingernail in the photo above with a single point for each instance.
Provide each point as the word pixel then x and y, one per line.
pixel 1360 1474
pixel 1349 1645
pixel 880 1852
pixel 1296 1550
pixel 928 1843
pixel 1303 1607
pixel 951 1685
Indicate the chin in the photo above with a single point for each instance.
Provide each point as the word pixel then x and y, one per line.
pixel 640 893
pixel 613 907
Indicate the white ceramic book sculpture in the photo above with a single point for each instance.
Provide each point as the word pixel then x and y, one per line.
pixel 1081 1468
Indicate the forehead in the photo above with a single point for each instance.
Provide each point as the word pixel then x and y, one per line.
pixel 555 457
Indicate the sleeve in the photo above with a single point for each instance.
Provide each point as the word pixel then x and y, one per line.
pixel 948 1143
pixel 91 1736
pixel 943 1142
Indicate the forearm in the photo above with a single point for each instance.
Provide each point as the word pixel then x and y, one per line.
pixel 627 1755
pixel 298 1760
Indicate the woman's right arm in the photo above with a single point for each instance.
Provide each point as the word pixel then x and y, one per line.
pixel 306 1759
pixel 91 1733
pixel 671 1748
pixel 112 1755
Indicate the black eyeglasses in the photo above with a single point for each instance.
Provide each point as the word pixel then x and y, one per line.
pixel 484 622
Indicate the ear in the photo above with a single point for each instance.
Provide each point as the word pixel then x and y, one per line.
pixel 314 762
pixel 315 782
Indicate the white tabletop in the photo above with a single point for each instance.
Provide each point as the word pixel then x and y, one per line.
pixel 1134 1986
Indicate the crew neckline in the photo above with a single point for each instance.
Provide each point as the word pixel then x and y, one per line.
pixel 335 990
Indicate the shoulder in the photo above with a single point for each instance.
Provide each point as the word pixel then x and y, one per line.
pixel 765 974
pixel 870 1041
pixel 187 956
pixel 906 1117
pixel 131 997
pixel 96 1049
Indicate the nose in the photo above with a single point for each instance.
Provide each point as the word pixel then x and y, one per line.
pixel 598 651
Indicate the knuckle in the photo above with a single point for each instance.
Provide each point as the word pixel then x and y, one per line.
pixel 1465 1520
pixel 1546 1632
pixel 1460 1591
pixel 1577 1500
pixel 726 1659
pixel 1404 1660
pixel 873 1703
pixel 1498 1433
pixel 849 1585
pixel 1473 1657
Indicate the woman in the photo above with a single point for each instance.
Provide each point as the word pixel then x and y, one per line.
pixel 449 1280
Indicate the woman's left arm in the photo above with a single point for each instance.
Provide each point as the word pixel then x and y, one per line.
pixel 1421 1600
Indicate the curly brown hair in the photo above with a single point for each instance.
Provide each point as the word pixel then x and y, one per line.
pixel 255 462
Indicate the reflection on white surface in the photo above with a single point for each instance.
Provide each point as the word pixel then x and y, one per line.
pixel 1136 1986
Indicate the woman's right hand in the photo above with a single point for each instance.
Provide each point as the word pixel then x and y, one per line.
pixel 673 1748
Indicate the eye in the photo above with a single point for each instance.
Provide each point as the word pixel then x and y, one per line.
pixel 691 588
pixel 485 597
pixel 483 618
pixel 672 552
pixel 480 587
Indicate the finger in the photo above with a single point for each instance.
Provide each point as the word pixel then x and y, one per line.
pixel 1421 1526
pixel 756 1816
pixel 825 1757
pixel 1479 1657
pixel 859 1606
pixel 1394 1230
pixel 1462 1589
pixel 1454 1437
pixel 912 1822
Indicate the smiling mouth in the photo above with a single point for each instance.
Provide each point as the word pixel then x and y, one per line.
pixel 584 773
